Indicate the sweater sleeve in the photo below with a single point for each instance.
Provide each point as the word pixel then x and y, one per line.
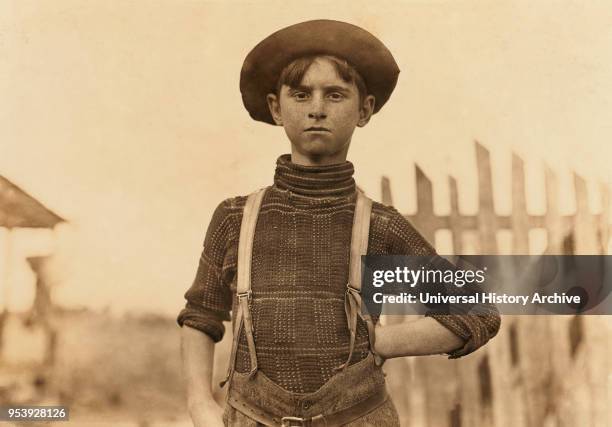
pixel 476 328
pixel 209 298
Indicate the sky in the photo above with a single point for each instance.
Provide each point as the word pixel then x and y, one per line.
pixel 125 118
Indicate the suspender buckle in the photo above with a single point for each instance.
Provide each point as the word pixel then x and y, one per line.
pixel 293 422
pixel 350 289
pixel 246 294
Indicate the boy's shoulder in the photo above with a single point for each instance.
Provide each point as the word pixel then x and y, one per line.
pixel 387 212
pixel 227 211
pixel 401 230
pixel 232 207
pixel 235 203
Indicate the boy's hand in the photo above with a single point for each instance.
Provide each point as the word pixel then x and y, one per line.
pixel 198 351
pixel 207 414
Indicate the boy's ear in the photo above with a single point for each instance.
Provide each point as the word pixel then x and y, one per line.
pixel 274 106
pixel 366 110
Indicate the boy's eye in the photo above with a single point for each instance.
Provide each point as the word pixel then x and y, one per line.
pixel 300 96
pixel 335 96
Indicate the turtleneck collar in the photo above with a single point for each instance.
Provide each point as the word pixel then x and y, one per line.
pixel 314 181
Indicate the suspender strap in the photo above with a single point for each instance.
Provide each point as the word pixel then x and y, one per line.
pixel 243 286
pixel 352 301
pixel 359 238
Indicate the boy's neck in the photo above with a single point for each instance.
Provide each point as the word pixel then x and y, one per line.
pixel 309 160
pixel 322 181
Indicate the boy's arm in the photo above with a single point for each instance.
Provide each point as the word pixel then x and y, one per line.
pixel 208 305
pixel 198 350
pixel 439 332
pixel 420 337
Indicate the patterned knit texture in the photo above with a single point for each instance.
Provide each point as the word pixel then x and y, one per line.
pixel 299 276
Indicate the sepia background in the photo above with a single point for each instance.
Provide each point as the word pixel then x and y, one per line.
pixel 122 128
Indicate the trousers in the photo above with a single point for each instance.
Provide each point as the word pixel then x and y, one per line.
pixel 343 390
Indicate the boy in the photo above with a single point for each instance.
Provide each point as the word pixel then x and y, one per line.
pixel 301 356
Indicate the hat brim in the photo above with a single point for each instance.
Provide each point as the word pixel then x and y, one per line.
pixel 263 65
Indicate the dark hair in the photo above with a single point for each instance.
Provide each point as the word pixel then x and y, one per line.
pixel 293 73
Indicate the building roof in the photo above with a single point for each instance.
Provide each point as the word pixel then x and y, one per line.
pixel 19 209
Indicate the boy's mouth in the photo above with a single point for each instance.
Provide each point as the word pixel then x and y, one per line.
pixel 317 129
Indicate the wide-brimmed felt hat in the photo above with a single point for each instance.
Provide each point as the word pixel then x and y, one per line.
pixel 263 65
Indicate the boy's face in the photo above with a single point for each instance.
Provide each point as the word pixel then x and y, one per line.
pixel 320 115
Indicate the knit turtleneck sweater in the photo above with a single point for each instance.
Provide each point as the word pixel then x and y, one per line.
pixel 299 275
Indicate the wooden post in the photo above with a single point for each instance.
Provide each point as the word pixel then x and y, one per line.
pixel 425 220
pixel 604 218
pixel 386 197
pixel 520 220
pixel 585 229
pixel 455 223
pixel 487 226
pixel 6 289
pixel 554 225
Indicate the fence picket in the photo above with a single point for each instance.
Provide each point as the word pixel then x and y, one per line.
pixel 486 214
pixel 387 198
pixel 455 223
pixel 520 219
pixel 554 224
pixel 604 225
pixel 425 219
pixel 585 231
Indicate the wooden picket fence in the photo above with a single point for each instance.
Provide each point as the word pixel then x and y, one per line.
pixel 538 370
pixel 589 232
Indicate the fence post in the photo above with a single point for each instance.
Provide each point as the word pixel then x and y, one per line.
pixel 425 213
pixel 585 229
pixel 487 225
pixel 520 220
pixel 385 190
pixel 554 224
pixel 455 217
pixel 604 218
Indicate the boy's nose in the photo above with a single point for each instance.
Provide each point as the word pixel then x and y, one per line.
pixel 317 115
pixel 317 110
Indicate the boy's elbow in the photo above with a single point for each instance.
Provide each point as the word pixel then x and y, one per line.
pixel 491 321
